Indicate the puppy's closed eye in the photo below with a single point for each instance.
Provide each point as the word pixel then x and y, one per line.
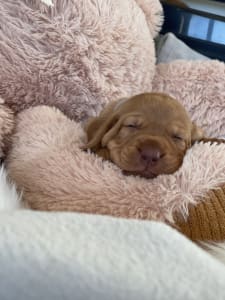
pixel 133 122
pixel 131 125
pixel 177 138
pixel 129 129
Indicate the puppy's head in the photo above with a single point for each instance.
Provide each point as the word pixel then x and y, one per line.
pixel 145 135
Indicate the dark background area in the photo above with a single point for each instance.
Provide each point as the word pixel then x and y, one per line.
pixel 202 31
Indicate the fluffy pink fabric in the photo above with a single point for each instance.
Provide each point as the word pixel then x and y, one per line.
pixel 6 127
pixel 200 86
pixel 153 13
pixel 46 162
pixel 76 55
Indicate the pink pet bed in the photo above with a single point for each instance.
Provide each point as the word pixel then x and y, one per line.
pixel 48 165
pixel 78 56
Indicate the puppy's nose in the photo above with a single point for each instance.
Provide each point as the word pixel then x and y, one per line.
pixel 150 155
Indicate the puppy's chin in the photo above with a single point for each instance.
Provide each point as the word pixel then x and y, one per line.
pixel 167 165
pixel 146 175
pixel 151 172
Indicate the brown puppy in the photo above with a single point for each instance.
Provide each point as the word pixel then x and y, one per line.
pixel 145 135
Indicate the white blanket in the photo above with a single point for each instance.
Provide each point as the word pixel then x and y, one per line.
pixel 56 256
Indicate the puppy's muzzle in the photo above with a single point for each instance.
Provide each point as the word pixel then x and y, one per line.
pixel 150 155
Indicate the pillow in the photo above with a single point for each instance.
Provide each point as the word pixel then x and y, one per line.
pixel 76 55
pixel 169 48
pixel 47 164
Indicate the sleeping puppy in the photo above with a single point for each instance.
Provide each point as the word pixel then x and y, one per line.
pixel 146 135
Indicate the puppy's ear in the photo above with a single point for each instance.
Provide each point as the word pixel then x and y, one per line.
pixel 196 133
pixel 97 129
pixel 101 129
pixel 94 124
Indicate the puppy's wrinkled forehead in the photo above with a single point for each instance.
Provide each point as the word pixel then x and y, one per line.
pixel 157 107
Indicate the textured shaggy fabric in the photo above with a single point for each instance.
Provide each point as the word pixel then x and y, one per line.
pixel 76 55
pixel 153 13
pixel 6 127
pixel 70 256
pixel 199 86
pixel 9 199
pixel 206 221
pixel 46 162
